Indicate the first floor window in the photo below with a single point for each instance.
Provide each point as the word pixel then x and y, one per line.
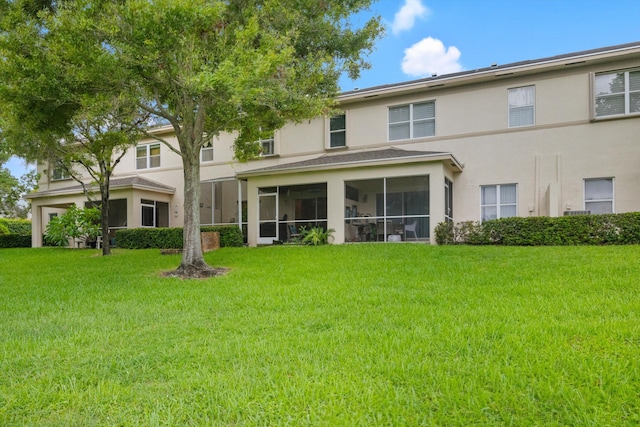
pixel 412 121
pixel 148 156
pixel 448 200
pixel 498 201
pixel 522 106
pixel 598 195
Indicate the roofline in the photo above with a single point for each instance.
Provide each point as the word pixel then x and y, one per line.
pixel 455 164
pixel 75 190
pixel 491 71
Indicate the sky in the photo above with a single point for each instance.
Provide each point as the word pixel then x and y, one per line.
pixel 445 36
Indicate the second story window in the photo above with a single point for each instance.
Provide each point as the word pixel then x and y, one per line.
pixel 206 152
pixel 617 94
pixel 148 156
pixel 268 147
pixel 59 173
pixel 412 121
pixel 338 131
pixel 522 106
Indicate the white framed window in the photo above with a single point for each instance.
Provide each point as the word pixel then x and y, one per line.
pixel 412 121
pixel 59 173
pixel 337 131
pixel 522 106
pixel 498 201
pixel 267 147
pixel 616 93
pixel 598 195
pixel 206 152
pixel 148 156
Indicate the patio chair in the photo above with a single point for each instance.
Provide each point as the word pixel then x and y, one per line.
pixel 293 232
pixel 410 228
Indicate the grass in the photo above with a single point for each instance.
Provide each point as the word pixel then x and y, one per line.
pixel 352 335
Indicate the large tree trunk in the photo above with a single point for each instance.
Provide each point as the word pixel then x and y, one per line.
pixel 193 264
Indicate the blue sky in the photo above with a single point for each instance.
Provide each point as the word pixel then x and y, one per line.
pixel 443 36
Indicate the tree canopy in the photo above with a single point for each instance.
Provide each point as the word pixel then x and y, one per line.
pixel 204 66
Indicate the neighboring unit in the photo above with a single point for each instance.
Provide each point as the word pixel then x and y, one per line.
pixel 544 137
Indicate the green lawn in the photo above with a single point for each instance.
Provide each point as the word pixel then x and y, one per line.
pixel 352 335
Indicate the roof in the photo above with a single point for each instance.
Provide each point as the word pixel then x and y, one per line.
pixel 573 58
pixel 133 182
pixel 359 158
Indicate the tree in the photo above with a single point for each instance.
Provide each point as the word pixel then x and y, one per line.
pixel 64 97
pixel 245 66
pixel 12 189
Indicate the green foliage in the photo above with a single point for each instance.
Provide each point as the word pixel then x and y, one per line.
pixel 13 240
pixel 610 229
pixel 15 233
pixel 171 238
pixel 75 223
pixel 316 236
pixel 17 226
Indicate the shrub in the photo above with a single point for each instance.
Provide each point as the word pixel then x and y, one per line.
pixel 13 240
pixel 75 223
pixel 609 229
pixel 316 236
pixel 171 238
pixel 17 226
pixel 3 229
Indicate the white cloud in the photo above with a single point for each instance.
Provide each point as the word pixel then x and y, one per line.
pixel 406 17
pixel 430 56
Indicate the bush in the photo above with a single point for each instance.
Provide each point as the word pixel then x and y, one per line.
pixel 610 229
pixel 316 236
pixel 17 226
pixel 171 238
pixel 14 240
pixel 75 223
pixel 3 229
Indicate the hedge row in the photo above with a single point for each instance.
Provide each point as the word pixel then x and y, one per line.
pixel 14 240
pixel 609 229
pixel 171 238
pixel 16 226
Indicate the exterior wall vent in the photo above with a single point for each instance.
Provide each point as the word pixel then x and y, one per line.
pixel 572 213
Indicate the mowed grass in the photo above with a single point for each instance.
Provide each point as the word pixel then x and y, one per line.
pixel 352 335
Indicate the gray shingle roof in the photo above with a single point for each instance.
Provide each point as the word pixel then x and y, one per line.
pixel 115 184
pixel 369 156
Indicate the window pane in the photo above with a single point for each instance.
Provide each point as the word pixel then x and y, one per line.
pixel 424 128
pixel 206 203
pixel 337 122
pixel 599 207
pixel 598 189
pixel 154 162
pixel 489 212
pixel 489 195
pixel 507 211
pixel 522 96
pixel 400 131
pixel 522 116
pixel 206 154
pixel 118 213
pixel 141 163
pixel 634 80
pixel 507 194
pixel 338 139
pixel 154 150
pixel 609 83
pixel 141 151
pixel 399 114
pixel 634 103
pixel 610 105
pixel 424 111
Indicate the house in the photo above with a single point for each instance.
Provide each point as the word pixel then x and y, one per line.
pixel 552 136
